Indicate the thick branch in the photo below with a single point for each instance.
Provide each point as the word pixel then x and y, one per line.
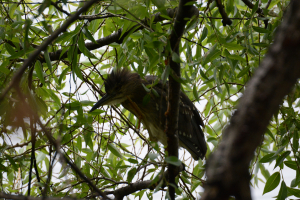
pixel 227 169
pixel 174 87
pixel 226 20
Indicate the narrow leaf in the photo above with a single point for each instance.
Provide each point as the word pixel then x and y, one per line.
pixel 173 160
pixel 281 158
pixel 39 71
pixel 272 182
pixel 48 61
pixel 282 192
pixel 114 150
pixel 131 174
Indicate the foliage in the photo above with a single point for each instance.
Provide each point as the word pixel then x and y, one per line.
pixel 62 84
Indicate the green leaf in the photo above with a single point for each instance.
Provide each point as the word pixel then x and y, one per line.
pixel 195 93
pixel 130 175
pixel 114 45
pixel 282 192
pixel 267 158
pixel 48 61
pixel 12 9
pixel 73 105
pixel 88 138
pixel 254 9
pixel 281 158
pixel 229 6
pixel 18 54
pixel 231 46
pixel 260 30
pixel 293 191
pixel 236 57
pixel 271 135
pixel 40 157
pixel 158 3
pixel 272 182
pixel 10 49
pixel 3 66
pixel 204 34
pixel 63 75
pixel 87 103
pixel 211 55
pixel 136 35
pixel 114 150
pixel 64 172
pixel 291 164
pixel 173 160
pixel 75 66
pixel 132 161
pixel 176 58
pixel 147 89
pixel 12 162
pixel 83 49
pixel 260 44
pixel 88 34
pixel 39 71
pixel 243 72
pixel 296 140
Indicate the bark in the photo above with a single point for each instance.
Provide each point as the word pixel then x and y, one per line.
pixel 228 167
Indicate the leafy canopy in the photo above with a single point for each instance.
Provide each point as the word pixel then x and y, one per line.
pixel 64 81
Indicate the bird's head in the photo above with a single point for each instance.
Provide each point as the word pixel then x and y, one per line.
pixel 118 86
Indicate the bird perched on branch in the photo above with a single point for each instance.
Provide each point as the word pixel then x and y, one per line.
pixel 150 104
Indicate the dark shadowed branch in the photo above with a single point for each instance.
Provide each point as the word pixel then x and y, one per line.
pixel 184 11
pixel 227 168
pixel 226 20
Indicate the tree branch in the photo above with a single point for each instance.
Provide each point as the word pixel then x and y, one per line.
pixel 227 168
pixel 226 20
pixel 184 11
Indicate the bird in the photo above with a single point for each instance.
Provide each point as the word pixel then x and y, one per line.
pixel 130 90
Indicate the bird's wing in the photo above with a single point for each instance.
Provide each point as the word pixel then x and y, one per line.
pixel 190 134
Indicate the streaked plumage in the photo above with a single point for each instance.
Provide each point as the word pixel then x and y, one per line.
pixel 125 87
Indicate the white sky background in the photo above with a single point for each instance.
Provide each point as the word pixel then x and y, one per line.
pixel 257 192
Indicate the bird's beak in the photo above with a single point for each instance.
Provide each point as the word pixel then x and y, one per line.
pixel 104 100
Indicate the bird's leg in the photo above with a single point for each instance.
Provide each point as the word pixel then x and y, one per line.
pixel 137 111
